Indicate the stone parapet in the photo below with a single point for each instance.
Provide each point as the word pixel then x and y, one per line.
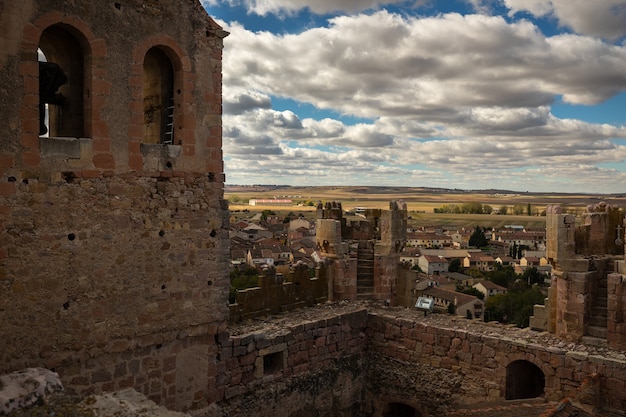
pixel 327 356
pixel 293 365
pixel 277 293
pixel 473 357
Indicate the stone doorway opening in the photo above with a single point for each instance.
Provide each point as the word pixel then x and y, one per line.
pixel 524 379
pixel 394 409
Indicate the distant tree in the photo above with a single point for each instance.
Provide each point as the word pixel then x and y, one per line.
pixel 454 265
pixel 266 213
pixel 533 276
pixel 516 306
pixel 451 308
pixel 473 207
pixel 503 210
pixel 474 273
pixel 478 239
pixel 513 251
pixel 519 209
pixel 529 210
pixel 487 209
pixel 240 280
pixel 502 275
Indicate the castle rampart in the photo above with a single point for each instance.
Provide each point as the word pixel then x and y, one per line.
pixel 337 358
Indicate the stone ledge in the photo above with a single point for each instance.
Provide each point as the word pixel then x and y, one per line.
pixel 66 147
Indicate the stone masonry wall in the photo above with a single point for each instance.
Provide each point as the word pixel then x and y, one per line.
pixel 95 269
pixel 354 361
pixel 113 251
pixel 386 270
pixel 586 297
pixel 616 327
pixel 113 102
pixel 449 366
pixel 297 368
pixel 277 293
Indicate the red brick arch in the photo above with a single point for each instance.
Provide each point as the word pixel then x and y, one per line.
pixel 184 119
pixel 94 81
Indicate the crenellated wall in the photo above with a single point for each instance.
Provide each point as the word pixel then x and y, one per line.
pixel 363 256
pixel 278 293
pixel 586 297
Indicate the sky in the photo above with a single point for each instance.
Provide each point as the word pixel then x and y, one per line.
pixel 523 95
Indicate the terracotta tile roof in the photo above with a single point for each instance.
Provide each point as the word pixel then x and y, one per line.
pixel 433 258
pixel 491 285
pixel 450 296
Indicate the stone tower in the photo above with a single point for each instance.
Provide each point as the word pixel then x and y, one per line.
pixel 113 227
pixel 588 290
pixel 363 256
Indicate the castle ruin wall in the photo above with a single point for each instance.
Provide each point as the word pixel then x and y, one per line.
pixel 586 298
pixel 113 245
pixel 354 362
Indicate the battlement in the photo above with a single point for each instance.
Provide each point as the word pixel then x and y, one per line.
pixel 363 255
pixel 586 297
pixel 601 232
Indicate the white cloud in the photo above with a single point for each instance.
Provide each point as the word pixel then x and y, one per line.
pixel 264 7
pixel 237 100
pixel 602 18
pixel 445 96
pixel 535 7
pixel 368 64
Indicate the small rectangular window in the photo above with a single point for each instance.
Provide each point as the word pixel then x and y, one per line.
pixel 273 362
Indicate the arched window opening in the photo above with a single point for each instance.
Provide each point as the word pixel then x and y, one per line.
pixel 61 84
pixel 524 380
pixel 158 97
pixel 400 410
